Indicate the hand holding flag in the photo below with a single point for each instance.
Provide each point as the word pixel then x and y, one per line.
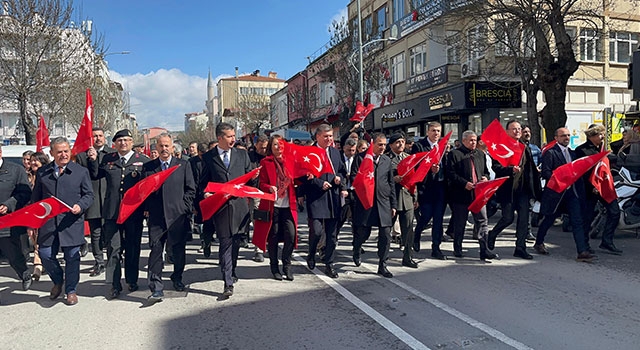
pixel 213 203
pixel 602 180
pixel 483 192
pixel 361 112
pixel 35 215
pixel 567 174
pixel 364 183
pixel 501 146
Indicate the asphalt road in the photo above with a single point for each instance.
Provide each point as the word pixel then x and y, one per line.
pixel 550 302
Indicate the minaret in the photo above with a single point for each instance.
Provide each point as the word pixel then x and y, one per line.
pixel 210 88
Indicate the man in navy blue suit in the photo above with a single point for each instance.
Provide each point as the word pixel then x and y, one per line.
pixel 571 200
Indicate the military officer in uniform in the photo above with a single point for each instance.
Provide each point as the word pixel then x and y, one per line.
pixel 122 170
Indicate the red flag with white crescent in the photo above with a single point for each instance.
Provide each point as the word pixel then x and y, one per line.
pixel 501 146
pixel 433 157
pixel 84 140
pixel 302 160
pixel 407 168
pixel 567 174
pixel 361 112
pixel 213 203
pixel 602 180
pixel 35 215
pixel 364 183
pixel 42 135
pixel 138 193
pixel 483 192
pixel 240 190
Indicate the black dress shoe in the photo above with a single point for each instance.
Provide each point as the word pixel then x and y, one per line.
pixel 330 271
pixel 458 254
pixel 84 250
pixel 288 275
pixel 382 270
pixel 311 262
pixel 277 276
pixel 410 263
pixel 234 278
pixel 156 297
pixel 610 248
pixel 437 254
pixel 228 291
pixel 26 280
pixel 207 250
pixel 416 246
pixel 133 287
pixel 356 261
pixel 488 255
pixel 113 294
pixel 520 253
pixel 55 292
pixel 178 285
pixel 491 241
pixel 97 270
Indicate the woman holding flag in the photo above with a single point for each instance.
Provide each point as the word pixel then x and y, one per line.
pixel 277 221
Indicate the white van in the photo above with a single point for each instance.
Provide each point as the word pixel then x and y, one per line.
pixel 13 153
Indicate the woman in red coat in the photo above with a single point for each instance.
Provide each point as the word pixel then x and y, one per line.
pixel 282 214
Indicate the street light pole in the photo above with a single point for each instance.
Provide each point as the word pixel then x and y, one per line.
pixel 360 74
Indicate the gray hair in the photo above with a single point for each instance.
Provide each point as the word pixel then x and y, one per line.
pixel 323 128
pixel 222 127
pixel 58 140
pixel 350 142
pixel 165 134
pixel 467 134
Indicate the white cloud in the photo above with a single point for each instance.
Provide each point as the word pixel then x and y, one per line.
pixel 163 97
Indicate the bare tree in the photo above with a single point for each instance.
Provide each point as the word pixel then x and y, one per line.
pixel 46 61
pixel 253 112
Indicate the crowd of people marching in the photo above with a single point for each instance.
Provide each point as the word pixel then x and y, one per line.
pixel 360 179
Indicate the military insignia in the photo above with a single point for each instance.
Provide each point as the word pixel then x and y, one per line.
pixel 137 164
pixel 134 174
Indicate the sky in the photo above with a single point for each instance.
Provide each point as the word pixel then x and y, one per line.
pixel 173 44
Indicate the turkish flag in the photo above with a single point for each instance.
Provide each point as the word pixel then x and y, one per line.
pixel 433 157
pixel 407 168
pixel 137 194
pixel 548 146
pixel 36 214
pixel 364 183
pixel 483 192
pixel 213 203
pixel 240 190
pixel 361 112
pixel 42 136
pixel 567 174
pixel 501 146
pixel 302 160
pixel 84 140
pixel 147 145
pixel 602 180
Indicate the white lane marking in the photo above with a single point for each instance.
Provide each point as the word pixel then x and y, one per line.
pixel 375 315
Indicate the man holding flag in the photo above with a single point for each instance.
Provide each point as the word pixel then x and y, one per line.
pixel 322 194
pixel 514 195
pixel 571 198
pixel 601 176
pixel 70 183
pixel 122 170
pixel 169 211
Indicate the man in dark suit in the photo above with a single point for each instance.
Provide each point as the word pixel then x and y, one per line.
pixel 431 194
pixel 15 192
pixel 221 164
pixel 122 170
pixel 70 183
pixel 467 166
pixel 348 154
pixel 384 205
pixel 514 195
pixel 595 140
pixel 323 197
pixel 93 215
pixel 169 211
pixel 572 199
pixel 406 200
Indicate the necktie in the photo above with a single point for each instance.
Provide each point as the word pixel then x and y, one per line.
pixel 474 177
pixel 123 161
pixel 348 164
pixel 225 158
pixel 165 165
pixel 567 156
pixel 60 171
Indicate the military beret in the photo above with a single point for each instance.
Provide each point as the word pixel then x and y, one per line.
pixel 395 137
pixel 122 133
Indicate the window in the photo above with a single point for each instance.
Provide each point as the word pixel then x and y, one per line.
pixel 244 91
pixel 589 45
pixel 418 60
pixel 453 47
pixel 397 68
pixel 416 4
pixel 621 46
pixel 398 10
pixel 477 42
pixel 367 29
pixel 507 38
pixel 354 37
pixel 381 20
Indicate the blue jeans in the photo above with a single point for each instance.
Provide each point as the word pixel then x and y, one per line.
pixel 72 265
pixel 432 207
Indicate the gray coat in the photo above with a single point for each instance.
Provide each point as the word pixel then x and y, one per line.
pixel 15 191
pixel 404 197
pixel 72 187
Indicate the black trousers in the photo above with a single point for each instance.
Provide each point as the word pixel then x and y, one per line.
pixel 228 256
pixel 158 237
pixel 11 248
pixel 282 229
pixel 519 205
pixel 208 228
pixel 362 234
pixel 459 215
pixel 319 227
pixel 118 238
pixel 95 227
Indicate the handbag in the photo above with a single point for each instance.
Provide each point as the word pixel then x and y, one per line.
pixel 261 215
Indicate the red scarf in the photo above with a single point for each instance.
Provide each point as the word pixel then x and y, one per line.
pixel 283 178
